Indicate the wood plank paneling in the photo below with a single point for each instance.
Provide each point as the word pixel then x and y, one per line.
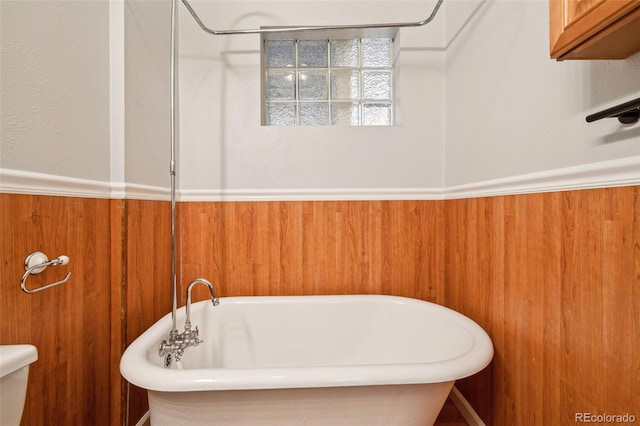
pixel 332 247
pixel 120 284
pixel 147 277
pixel 69 324
pixel 118 295
pixel 554 279
pixel 148 264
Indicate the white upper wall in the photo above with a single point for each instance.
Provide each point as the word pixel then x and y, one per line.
pixel 223 147
pixel 504 108
pixel 510 110
pixel 54 87
pixel 85 93
pixel 147 91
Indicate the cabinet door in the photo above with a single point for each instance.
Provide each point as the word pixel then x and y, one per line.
pixel 576 9
pixel 594 29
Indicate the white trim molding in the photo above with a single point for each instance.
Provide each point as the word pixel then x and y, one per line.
pixel 605 174
pixel 145 420
pixel 621 172
pixel 25 182
pixel 465 408
pixel 334 194
pixel 137 191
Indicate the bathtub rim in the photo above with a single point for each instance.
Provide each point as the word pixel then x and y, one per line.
pixel 136 369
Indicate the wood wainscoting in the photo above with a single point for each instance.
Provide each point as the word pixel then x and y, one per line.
pixel 299 248
pixel 554 278
pixel 70 324
pixel 120 284
pixel 146 280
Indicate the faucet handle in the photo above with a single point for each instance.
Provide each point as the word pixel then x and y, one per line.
pixel 196 335
pixel 164 349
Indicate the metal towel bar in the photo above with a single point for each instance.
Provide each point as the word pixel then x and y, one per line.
pixel 627 112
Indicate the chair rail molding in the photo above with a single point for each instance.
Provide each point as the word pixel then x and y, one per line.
pixel 26 182
pixel 620 172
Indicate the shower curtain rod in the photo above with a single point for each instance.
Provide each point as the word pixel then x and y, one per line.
pixel 312 28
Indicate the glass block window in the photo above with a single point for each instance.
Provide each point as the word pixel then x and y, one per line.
pixel 328 82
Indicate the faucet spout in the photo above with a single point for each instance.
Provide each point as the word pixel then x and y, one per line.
pixel 179 342
pixel 214 300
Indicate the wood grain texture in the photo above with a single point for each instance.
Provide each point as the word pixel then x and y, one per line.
pixel 118 396
pixel 299 248
pixel 588 29
pixel 120 285
pixel 554 279
pixel 450 416
pixel 70 323
pixel 148 264
pixel 147 278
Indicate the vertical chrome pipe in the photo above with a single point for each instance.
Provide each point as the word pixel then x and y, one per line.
pixel 172 165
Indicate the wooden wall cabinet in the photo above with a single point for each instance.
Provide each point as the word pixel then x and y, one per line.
pixel 594 29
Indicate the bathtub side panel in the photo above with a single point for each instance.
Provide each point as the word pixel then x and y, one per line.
pixel 399 405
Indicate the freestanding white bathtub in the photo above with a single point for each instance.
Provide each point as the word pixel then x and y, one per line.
pixel 309 360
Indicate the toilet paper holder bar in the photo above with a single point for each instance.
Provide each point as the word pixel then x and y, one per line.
pixel 37 262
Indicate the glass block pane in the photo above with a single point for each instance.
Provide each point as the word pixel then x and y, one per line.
pixel 344 53
pixel 314 114
pixel 321 82
pixel 347 114
pixel 312 84
pixel 280 53
pixel 376 52
pixel 378 114
pixel 281 85
pixel 312 53
pixel 345 84
pixel 376 84
pixel 281 114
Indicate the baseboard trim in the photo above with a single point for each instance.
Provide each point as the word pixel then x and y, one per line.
pixel 144 420
pixel 605 174
pixel 465 408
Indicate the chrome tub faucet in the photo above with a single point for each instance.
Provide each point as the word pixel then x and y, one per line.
pixel 179 342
